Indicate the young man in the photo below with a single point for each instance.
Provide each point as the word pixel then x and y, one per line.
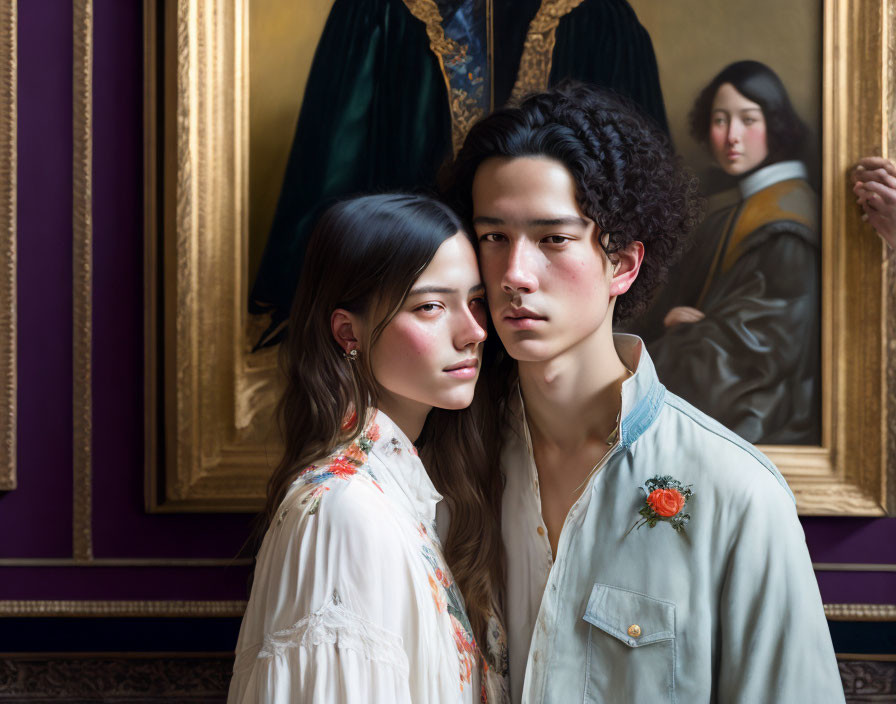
pixel 652 555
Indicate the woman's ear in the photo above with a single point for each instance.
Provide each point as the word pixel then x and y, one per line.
pixel 626 265
pixel 345 328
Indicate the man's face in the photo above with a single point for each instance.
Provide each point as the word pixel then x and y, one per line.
pixel 546 276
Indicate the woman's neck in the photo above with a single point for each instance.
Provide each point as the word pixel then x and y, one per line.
pixel 409 416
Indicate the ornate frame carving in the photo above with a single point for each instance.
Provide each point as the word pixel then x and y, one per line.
pixel 209 401
pixel 8 161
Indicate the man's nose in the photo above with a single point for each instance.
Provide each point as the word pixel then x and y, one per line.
pixel 519 274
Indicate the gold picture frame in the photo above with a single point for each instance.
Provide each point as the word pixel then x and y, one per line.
pixel 210 438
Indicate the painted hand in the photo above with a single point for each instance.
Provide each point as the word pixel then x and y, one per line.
pixel 682 314
pixel 874 183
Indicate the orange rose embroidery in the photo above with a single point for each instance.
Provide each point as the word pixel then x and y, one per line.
pixel 665 500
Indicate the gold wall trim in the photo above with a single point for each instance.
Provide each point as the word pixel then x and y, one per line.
pixel 852 567
pixel 538 49
pixel 869 657
pixel 860 612
pixel 8 383
pixel 124 562
pixel 82 271
pixel 149 609
pixel 464 109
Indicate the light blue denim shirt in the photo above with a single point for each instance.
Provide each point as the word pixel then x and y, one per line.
pixel 728 611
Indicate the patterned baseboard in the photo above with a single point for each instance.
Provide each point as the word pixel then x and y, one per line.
pixel 114 678
pixel 157 679
pixel 867 681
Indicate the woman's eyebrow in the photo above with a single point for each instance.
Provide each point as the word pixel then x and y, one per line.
pixel 421 290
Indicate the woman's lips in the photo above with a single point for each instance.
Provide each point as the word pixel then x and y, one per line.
pixel 463 370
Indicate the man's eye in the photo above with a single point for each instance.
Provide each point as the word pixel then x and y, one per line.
pixel 555 239
pixel 492 237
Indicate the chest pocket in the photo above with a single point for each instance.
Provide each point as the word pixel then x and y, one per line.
pixel 631 647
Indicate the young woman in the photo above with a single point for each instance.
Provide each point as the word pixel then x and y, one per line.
pixel 741 317
pixel 355 599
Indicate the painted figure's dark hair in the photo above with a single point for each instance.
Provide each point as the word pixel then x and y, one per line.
pixel 627 179
pixel 786 133
pixel 364 256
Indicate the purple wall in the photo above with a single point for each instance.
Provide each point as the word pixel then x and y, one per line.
pixel 36 518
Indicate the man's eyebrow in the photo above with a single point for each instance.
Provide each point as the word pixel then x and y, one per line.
pixel 537 222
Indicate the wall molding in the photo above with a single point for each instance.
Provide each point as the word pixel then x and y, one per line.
pixel 126 562
pixel 235 608
pixel 82 275
pixel 860 612
pixel 8 185
pixel 122 609
pixel 853 567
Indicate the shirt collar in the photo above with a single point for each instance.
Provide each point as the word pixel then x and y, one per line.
pixel 769 175
pixel 642 392
pixel 404 472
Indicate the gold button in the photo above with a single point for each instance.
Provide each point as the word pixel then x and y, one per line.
pixel 540 530
pixel 634 630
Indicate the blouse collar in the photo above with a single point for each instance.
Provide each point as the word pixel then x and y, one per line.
pixel 403 470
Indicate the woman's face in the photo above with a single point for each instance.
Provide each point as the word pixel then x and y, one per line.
pixel 429 354
pixel 737 131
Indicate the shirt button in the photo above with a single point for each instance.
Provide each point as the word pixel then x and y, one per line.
pixel 540 530
pixel 634 630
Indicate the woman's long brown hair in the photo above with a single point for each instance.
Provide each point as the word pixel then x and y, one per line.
pixel 364 256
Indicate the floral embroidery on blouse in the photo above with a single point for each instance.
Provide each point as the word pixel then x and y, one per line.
pixel 447 597
pixel 342 465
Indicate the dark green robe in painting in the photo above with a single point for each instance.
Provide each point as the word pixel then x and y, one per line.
pixel 376 114
pixel 753 362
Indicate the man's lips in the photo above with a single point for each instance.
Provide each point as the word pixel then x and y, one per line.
pixel 522 318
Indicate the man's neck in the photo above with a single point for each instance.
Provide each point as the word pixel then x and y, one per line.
pixel 575 398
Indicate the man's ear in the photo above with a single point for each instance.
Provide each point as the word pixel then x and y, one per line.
pixel 626 265
pixel 345 328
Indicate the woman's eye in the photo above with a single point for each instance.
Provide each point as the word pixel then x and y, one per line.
pixel 428 307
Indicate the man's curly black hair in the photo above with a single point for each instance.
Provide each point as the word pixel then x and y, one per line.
pixel 627 179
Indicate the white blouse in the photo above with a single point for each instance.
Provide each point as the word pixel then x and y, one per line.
pixel 352 600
